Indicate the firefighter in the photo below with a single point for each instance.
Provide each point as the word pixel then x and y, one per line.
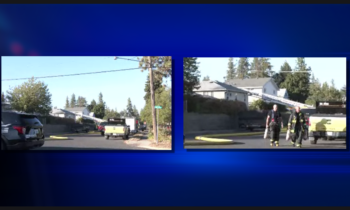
pixel 297 125
pixel 274 126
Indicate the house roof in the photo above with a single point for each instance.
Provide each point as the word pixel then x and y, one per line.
pixel 76 109
pixel 251 82
pixel 57 111
pixel 217 86
pixel 61 111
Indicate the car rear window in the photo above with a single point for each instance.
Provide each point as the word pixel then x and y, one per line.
pixel 28 119
pixel 10 118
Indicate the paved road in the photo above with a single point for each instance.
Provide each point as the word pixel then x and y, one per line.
pixel 87 142
pixel 258 142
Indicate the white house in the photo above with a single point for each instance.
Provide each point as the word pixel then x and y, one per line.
pixel 258 85
pixel 62 113
pixel 79 111
pixel 283 93
pixel 221 90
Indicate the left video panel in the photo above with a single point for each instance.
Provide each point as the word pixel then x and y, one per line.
pixel 86 103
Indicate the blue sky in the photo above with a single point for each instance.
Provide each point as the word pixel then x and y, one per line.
pixel 116 87
pixel 325 69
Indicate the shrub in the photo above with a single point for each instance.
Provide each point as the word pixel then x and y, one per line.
pixel 199 104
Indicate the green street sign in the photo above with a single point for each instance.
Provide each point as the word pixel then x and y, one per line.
pixel 158 107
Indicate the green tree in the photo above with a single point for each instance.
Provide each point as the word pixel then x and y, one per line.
pixel 129 108
pixel 298 82
pixel 315 91
pixel 100 99
pixel 31 97
pixel 2 97
pixel 67 103
pixel 260 68
pixel 163 65
pixel 123 113
pixel 191 74
pixel 91 105
pixel 343 91
pixel 281 76
pixel 162 98
pixel 231 71
pixel 73 101
pixel 81 102
pixel 334 93
pixel 157 83
pixel 99 111
pixel 110 113
pixel 136 112
pixel 207 78
pixel 243 68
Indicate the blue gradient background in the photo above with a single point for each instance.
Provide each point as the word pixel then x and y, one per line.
pixel 179 177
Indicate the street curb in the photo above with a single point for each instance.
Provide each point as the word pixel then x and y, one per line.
pixel 204 138
pixel 58 137
pixel 234 134
pixel 203 142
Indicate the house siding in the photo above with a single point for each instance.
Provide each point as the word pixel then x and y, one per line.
pixel 243 97
pixel 270 89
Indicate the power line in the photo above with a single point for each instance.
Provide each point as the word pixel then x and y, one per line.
pixel 66 75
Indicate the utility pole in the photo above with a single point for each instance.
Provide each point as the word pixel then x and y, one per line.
pixel 152 97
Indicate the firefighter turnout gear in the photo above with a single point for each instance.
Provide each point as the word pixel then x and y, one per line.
pixel 274 127
pixel 297 125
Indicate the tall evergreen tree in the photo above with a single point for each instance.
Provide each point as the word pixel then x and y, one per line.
pixel 281 76
pixel 191 74
pixel 100 98
pixel 157 83
pixel 67 103
pixel 231 71
pixel 261 68
pixel 136 112
pixel 243 68
pixel 298 82
pixel 129 108
pixel 343 92
pixel 73 101
pixel 206 78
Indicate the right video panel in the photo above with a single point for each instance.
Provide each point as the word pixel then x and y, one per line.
pixel 264 103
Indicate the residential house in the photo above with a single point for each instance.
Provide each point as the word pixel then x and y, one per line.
pixel 283 93
pixel 221 90
pixel 257 85
pixel 79 111
pixel 62 113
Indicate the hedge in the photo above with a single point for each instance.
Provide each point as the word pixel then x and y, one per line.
pixel 199 104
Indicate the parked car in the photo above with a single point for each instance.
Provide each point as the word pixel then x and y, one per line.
pixel 101 128
pixel 20 131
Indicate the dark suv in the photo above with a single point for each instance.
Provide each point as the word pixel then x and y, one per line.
pixel 20 131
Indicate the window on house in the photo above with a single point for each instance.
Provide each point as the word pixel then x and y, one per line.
pixel 230 94
pixel 227 98
pixel 264 90
pixel 274 92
